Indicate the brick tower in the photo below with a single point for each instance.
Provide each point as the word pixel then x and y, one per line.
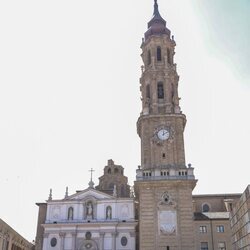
pixel 164 183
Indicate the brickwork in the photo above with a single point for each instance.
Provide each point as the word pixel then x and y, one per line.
pixel 240 222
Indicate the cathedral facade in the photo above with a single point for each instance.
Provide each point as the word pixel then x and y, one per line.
pixel 101 217
pixel 161 213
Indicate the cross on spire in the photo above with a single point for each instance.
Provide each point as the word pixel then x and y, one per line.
pixel 91 183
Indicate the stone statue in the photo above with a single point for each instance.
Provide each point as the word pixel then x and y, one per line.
pixel 109 213
pixel 70 213
pixel 89 209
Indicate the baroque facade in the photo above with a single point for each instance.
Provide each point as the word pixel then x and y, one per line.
pixel 164 215
pixel 94 218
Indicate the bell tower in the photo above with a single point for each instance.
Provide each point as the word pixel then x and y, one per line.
pixel 161 123
pixel 163 183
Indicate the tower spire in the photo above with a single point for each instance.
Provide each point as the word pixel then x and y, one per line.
pixel 157 25
pixel 156 9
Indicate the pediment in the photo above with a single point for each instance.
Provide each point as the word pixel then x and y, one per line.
pixel 89 193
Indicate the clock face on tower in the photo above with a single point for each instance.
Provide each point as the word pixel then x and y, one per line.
pixel 163 134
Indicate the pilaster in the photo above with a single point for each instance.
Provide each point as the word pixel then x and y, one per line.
pixel 73 246
pixel 62 237
pixel 102 240
pixel 45 241
pixel 114 240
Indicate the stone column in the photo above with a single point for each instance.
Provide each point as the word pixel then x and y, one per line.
pixel 73 246
pixel 102 241
pixel 113 241
pixel 62 237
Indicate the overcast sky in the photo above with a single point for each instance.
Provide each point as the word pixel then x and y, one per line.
pixel 69 94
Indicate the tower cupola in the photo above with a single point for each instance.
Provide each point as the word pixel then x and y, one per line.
pixel 157 25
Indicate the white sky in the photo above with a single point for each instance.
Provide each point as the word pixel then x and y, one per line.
pixel 69 98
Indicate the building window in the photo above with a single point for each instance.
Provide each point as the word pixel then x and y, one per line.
pixel 53 242
pixel 109 171
pixel 221 246
pixel 220 229
pixel 149 57
pixel 163 155
pixel 70 213
pixel 205 208
pixel 116 170
pixel 158 54
pixel 203 229
pixel 160 90
pixel 124 241
pixel 204 246
pixel 168 248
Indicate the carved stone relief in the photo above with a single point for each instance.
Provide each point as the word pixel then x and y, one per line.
pixel 167 215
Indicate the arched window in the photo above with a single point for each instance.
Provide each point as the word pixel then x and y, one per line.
pixel 160 90
pixel 158 54
pixel 109 171
pixel 205 208
pixel 149 57
pixel 108 213
pixel 70 213
pixel 169 56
